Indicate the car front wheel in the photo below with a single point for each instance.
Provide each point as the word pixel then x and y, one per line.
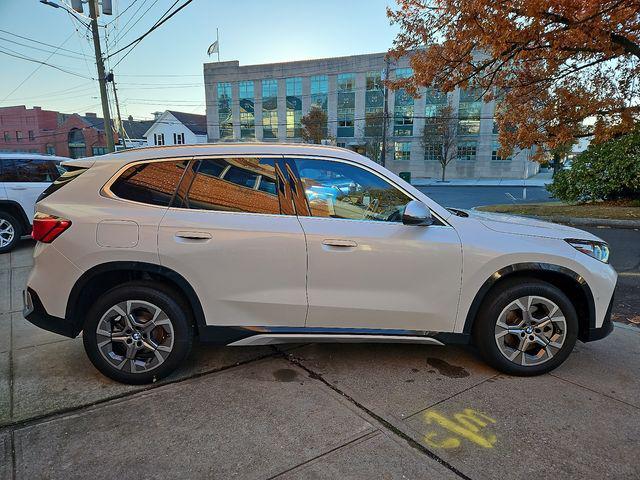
pixel 138 333
pixel 526 327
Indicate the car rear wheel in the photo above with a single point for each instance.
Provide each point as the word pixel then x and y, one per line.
pixel 526 327
pixel 10 232
pixel 138 333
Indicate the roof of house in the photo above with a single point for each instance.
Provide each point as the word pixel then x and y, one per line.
pixel 136 129
pixel 194 122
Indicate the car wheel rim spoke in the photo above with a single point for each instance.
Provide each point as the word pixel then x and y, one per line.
pixel 135 336
pixel 7 233
pixel 530 330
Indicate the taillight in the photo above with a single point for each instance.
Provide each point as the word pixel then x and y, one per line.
pixel 46 228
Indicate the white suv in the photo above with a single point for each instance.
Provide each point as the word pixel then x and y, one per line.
pixel 254 244
pixel 23 177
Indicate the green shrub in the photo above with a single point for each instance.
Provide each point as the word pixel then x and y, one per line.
pixel 607 171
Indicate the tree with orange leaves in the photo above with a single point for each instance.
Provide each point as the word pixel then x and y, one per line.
pixel 550 64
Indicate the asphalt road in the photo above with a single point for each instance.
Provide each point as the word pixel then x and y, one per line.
pixel 468 197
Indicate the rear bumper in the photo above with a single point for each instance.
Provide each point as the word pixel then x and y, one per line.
pixel 598 333
pixel 35 312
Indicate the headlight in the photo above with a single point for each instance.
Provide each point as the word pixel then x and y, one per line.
pixel 597 250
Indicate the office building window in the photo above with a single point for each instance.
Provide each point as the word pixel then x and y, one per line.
pixel 373 105
pixel 403 114
pixel 319 91
pixel 469 111
pixel 435 101
pixel 433 152
pixel 374 81
pixel 224 110
pixel 346 104
pixel 467 150
pixel 270 108
pixel 403 72
pixel 247 109
pixel 402 151
pixel 294 107
pixel 495 154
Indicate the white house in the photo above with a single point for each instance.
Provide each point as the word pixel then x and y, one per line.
pixel 177 128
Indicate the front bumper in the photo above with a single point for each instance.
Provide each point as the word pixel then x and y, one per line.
pixel 35 312
pixel 598 333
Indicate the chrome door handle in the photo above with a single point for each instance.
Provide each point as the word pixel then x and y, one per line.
pixel 193 235
pixel 17 188
pixel 336 242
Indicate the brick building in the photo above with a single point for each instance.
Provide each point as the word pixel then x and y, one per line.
pixel 67 135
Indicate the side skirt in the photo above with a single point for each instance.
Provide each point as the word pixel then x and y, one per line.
pixel 280 338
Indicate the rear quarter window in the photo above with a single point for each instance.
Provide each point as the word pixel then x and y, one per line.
pixel 153 183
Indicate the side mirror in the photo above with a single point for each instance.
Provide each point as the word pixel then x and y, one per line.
pixel 417 213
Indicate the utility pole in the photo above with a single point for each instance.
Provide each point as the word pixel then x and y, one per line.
pixel 385 114
pixel 93 13
pixel 121 130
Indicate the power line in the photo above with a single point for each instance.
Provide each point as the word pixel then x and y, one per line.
pixel 41 43
pixel 157 25
pixel 38 67
pixel 21 57
pixel 120 36
pixel 121 13
pixel 75 57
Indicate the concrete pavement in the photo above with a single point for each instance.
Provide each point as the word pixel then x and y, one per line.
pixel 314 411
pixel 541 179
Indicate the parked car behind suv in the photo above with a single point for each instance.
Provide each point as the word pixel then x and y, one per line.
pixel 253 244
pixel 23 177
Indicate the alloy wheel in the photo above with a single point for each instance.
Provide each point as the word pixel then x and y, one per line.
pixel 135 336
pixel 530 330
pixel 7 233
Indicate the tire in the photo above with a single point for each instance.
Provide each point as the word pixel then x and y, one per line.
pixel 135 350
pixel 11 230
pixel 512 341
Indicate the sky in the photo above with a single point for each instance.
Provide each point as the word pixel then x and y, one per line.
pixel 164 71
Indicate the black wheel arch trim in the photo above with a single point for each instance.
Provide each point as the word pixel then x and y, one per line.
pixel 22 216
pixel 523 268
pixel 144 267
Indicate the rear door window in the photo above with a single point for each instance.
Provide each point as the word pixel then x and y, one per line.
pixel 153 183
pixel 244 184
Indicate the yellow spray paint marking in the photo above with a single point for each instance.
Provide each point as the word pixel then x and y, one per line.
pixel 464 426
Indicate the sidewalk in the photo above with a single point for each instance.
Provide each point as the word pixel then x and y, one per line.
pixel 540 180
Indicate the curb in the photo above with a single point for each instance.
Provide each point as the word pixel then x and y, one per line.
pixel 594 222
pixel 581 222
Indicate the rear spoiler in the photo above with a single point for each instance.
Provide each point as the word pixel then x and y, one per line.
pixel 78 163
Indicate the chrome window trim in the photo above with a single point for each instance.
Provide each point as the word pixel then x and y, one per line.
pixel 106 192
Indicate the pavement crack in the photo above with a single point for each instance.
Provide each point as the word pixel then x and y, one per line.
pixel 594 391
pixel 14 425
pixel 381 420
pixel 323 454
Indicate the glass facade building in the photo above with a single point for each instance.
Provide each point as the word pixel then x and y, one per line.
pixel 273 99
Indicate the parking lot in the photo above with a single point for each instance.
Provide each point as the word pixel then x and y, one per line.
pixel 321 411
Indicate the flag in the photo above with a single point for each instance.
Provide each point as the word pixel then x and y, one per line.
pixel 213 48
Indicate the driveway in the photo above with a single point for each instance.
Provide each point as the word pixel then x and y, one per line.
pixel 316 411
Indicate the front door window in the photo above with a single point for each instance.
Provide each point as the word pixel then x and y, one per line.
pixel 341 190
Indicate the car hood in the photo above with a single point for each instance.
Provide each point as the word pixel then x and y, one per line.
pixel 518 225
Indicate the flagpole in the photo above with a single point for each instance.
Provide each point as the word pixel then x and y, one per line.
pixel 218 41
